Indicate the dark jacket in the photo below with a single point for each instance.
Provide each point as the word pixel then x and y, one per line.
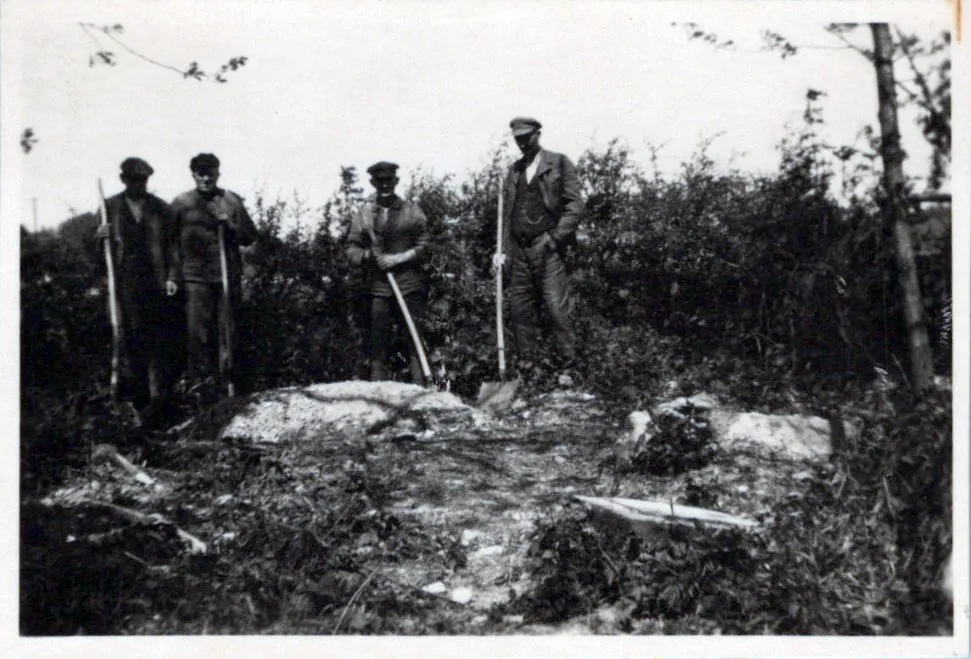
pixel 560 187
pixel 405 228
pixel 147 271
pixel 198 235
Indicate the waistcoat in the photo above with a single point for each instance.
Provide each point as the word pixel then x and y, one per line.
pixel 530 218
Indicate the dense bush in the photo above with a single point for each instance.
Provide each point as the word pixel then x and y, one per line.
pixel 296 322
pixel 764 267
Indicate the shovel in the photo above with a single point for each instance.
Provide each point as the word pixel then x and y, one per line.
pixel 497 395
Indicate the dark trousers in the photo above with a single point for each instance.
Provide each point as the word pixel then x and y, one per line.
pixel 383 310
pixel 209 324
pixel 142 363
pixel 538 282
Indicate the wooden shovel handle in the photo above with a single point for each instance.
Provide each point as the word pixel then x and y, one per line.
pixel 227 300
pixel 500 335
pixel 113 310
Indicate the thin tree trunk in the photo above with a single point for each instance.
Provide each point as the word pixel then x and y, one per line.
pixel 893 180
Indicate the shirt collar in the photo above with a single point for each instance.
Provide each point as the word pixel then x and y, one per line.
pixel 216 192
pixel 396 204
pixel 537 159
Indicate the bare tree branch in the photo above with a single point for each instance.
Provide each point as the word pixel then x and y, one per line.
pixel 193 70
pixel 840 30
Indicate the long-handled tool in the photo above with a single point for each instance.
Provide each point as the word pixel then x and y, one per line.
pixel 495 395
pixel 426 371
pixel 228 315
pixel 415 339
pixel 117 331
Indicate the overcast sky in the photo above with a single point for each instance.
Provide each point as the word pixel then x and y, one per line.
pixel 421 83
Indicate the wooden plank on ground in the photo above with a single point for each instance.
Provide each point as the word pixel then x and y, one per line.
pixel 660 512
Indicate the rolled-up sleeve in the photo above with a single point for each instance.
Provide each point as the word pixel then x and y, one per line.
pixel 358 240
pixel 422 245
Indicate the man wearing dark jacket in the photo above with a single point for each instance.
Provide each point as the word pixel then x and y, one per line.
pixel 542 206
pixel 198 215
pixel 389 234
pixel 143 249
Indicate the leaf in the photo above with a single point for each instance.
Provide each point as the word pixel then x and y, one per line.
pixel 27 140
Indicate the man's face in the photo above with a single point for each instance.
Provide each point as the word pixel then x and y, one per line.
pixel 385 185
pixel 206 179
pixel 528 143
pixel 135 186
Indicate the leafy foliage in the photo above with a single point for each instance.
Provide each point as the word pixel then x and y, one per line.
pixel 859 552
pixel 681 443
pixel 27 140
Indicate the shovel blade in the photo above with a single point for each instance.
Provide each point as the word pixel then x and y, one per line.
pixel 495 396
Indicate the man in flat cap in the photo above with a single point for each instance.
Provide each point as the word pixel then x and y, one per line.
pixel 389 234
pixel 140 230
pixel 209 314
pixel 541 210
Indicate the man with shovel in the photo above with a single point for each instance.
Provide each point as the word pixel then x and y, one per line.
pixel 211 225
pixel 389 235
pixel 542 208
pixel 139 228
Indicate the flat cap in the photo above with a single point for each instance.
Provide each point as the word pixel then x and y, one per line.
pixel 383 168
pixel 204 161
pixel 524 125
pixel 136 168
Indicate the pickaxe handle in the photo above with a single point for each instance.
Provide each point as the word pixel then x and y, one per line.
pixel 227 300
pixel 114 312
pixel 500 335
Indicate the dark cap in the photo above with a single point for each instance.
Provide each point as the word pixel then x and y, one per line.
pixel 204 161
pixel 382 169
pixel 136 168
pixel 524 125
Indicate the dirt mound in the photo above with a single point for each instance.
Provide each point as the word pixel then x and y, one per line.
pixel 320 410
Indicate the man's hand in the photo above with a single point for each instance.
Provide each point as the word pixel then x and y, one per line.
pixel 384 261
pixel 171 288
pixel 217 212
pixel 103 232
pixel 498 262
pixel 389 261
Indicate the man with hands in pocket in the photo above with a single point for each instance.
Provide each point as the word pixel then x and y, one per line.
pixel 542 205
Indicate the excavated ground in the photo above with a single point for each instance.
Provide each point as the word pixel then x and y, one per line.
pixel 411 514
